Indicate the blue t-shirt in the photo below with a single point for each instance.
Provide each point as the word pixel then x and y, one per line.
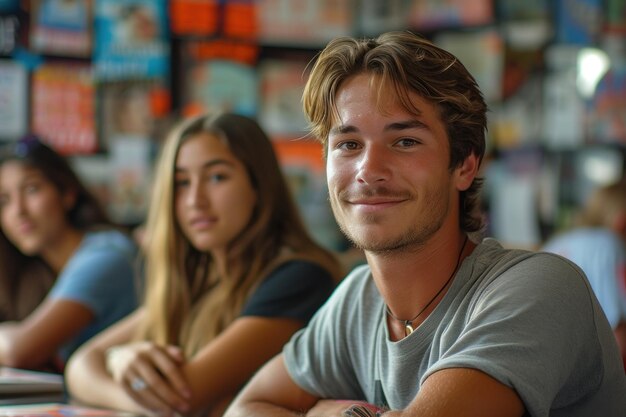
pixel 601 255
pixel 101 276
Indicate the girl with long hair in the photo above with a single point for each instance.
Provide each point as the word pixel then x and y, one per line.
pixel 65 272
pixel 231 274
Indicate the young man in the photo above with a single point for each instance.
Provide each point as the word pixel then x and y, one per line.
pixel 435 324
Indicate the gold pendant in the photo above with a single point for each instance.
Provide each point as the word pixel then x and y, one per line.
pixel 408 328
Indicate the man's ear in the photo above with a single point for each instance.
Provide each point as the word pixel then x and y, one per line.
pixel 466 172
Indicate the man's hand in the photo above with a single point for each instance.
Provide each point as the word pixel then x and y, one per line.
pixel 151 375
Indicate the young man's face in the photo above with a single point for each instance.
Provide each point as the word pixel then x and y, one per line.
pixel 388 178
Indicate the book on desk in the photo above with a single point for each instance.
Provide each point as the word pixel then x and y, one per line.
pixel 19 386
pixel 20 381
pixel 27 393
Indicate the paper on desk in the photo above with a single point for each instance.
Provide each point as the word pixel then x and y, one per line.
pixel 59 410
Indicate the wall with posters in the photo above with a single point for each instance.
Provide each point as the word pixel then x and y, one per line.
pixel 102 80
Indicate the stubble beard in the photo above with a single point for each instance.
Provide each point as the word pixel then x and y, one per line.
pixel 414 236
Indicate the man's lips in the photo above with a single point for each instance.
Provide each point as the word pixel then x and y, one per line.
pixel 374 205
pixel 374 201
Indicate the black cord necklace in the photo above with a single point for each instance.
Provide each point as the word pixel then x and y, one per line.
pixel 408 324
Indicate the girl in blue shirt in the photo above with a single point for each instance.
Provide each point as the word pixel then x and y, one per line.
pixel 65 273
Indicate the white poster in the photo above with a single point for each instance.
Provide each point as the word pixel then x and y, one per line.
pixel 13 100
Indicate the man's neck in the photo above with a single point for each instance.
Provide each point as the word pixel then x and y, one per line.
pixel 408 280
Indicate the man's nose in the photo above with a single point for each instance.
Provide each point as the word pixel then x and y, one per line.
pixel 373 166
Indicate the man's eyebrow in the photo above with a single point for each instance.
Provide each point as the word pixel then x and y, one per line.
pixel 343 129
pixel 403 125
pixel 407 124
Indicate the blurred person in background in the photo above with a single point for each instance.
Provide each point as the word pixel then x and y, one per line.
pixel 597 244
pixel 231 274
pixel 65 272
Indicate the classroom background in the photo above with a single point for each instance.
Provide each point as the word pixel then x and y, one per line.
pixel 103 80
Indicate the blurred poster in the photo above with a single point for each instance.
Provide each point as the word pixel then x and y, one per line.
pixel 8 6
pixel 220 74
pixel 228 18
pixel 96 173
pixel 13 99
pixel 487 67
pixel 526 24
pixel 131 163
pixel 607 111
pixel 523 10
pixel 9 27
pixel 131 39
pixel 61 27
pixel 564 107
pixel 376 17
pixel 63 107
pixel 222 85
pixel 303 165
pixel 303 22
pixel 131 108
pixel 512 190
pixel 240 19
pixel 282 84
pixel 578 21
pixel 564 112
pixel 514 218
pixel 616 16
pixel 437 14
pixel 194 18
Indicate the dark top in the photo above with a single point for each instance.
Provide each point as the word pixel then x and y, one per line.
pixel 296 290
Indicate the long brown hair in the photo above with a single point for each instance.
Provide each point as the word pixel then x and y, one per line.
pixel 25 280
pixel 187 303
pixel 404 62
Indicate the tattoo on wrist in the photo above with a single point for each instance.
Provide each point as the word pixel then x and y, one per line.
pixel 361 411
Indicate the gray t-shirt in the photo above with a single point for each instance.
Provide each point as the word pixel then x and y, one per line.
pixel 529 320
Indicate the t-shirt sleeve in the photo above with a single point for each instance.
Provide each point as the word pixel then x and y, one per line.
pixel 520 332
pixel 295 290
pixel 99 279
pixel 319 357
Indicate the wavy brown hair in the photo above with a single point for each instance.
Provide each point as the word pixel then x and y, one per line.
pixel 406 63
pixel 187 302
